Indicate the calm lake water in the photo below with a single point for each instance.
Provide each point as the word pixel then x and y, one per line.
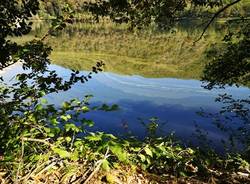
pixel 175 102
pixel 140 96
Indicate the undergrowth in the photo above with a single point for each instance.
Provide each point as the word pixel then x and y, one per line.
pixel 45 145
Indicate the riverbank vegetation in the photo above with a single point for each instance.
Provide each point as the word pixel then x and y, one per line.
pixel 44 143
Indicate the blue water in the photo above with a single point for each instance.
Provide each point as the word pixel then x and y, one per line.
pixel 175 102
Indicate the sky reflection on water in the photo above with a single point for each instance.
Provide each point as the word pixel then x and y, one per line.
pixel 174 101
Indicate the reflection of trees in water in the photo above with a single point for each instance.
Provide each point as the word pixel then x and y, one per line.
pixel 229 65
pixel 232 119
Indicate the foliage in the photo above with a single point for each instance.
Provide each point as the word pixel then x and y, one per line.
pixel 14 16
pixel 162 13
pixel 38 79
pixel 38 138
pixel 45 139
pixel 233 118
pixel 159 12
pixel 231 63
pixel 138 13
pixel 19 100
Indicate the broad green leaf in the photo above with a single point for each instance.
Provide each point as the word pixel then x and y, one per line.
pixel 68 139
pixel 142 157
pixel 71 126
pixel 54 121
pixel 148 151
pixel 119 152
pixel 61 152
pixel 94 138
pixel 74 156
pixel 51 134
pixel 66 105
pixel 105 165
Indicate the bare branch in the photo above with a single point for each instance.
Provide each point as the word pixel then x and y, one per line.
pixel 216 15
pixel 44 141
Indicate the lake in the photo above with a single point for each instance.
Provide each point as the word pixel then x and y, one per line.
pixel 149 75
pixel 174 102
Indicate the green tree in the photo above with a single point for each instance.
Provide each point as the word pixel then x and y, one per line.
pixel 230 63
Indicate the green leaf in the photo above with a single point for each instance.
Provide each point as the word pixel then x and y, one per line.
pixel 72 127
pixel 39 107
pixel 51 134
pixel 135 149
pixel 105 165
pixel 119 152
pixel 42 93
pixel 182 174
pixel 44 101
pixel 61 152
pixel 66 105
pixel 85 109
pixel 78 143
pixel 74 156
pixel 148 151
pixel 142 157
pixel 90 123
pixel 94 137
pixel 47 130
pixel 25 50
pixel 68 139
pixel 110 136
pixel 65 117
pixel 54 121
pixel 60 138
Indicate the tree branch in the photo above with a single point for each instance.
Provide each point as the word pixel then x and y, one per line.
pixel 44 141
pixel 216 15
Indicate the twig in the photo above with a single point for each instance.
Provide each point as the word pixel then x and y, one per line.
pixel 97 167
pixel 25 178
pixel 80 178
pixel 46 35
pixel 46 168
pixel 20 162
pixel 37 140
pixel 72 141
pixel 216 15
pixel 32 174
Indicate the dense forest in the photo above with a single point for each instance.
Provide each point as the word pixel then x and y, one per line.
pixel 51 43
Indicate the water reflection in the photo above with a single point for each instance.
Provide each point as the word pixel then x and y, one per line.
pixel 174 101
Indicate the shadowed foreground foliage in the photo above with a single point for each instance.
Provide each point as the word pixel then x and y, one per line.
pixel 46 145
pixel 231 62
